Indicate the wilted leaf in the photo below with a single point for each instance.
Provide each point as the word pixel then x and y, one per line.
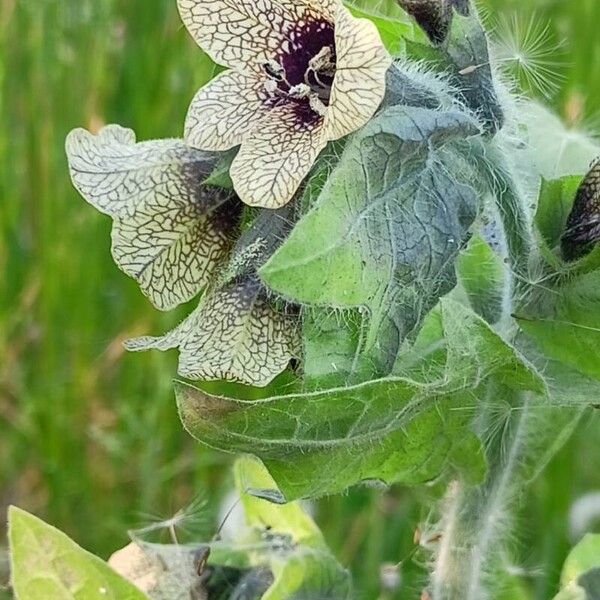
pixel 47 565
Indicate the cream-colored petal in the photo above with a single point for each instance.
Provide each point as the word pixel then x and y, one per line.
pixel 236 334
pixel 226 110
pixel 327 8
pixel 272 163
pixel 170 232
pixel 175 253
pixel 359 84
pixel 239 33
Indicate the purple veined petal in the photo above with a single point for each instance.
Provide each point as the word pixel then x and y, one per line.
pixel 241 33
pixel 359 84
pixel 272 163
pixel 169 233
pixel 235 334
pixel 226 110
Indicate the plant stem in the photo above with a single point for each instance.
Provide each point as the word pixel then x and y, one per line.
pixel 476 523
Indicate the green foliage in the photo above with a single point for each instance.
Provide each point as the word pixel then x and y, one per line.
pixel 279 554
pixel 137 67
pixel 322 442
pixel 47 565
pixel 580 578
pixel 387 226
pixel 482 273
pixel 309 570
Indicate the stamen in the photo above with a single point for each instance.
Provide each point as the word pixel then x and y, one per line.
pixel 274 70
pixel 271 86
pixel 323 62
pixel 317 105
pixel 300 91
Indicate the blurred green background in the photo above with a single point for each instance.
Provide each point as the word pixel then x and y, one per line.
pixel 89 435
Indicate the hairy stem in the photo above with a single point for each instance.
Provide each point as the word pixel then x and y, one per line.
pixel 476 524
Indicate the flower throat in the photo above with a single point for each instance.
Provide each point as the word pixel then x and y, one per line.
pixel 304 69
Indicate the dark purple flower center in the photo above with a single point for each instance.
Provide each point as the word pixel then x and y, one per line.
pixel 304 69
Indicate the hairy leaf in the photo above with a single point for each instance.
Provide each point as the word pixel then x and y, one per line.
pixel 570 333
pixel 464 58
pixel 458 348
pixel 467 48
pixel 482 274
pixel 387 226
pixel 324 441
pixel 47 565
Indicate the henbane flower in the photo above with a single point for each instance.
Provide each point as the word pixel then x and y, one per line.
pixel 301 73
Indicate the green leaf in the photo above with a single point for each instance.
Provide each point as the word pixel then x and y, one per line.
pixel 554 205
pixel 332 344
pixel 387 226
pixel 458 347
pixel 47 565
pixel 584 557
pixel 323 442
pixel 571 332
pixel 290 519
pixel 467 48
pixel 580 577
pixel 308 569
pixel 482 274
pixel 309 575
pixel 393 25
pixel 464 59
